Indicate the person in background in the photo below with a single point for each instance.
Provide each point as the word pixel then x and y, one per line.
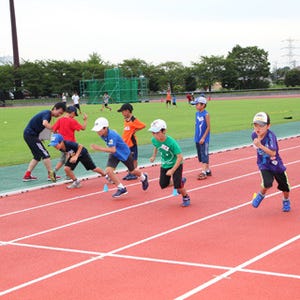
pixel 76 100
pixel 106 98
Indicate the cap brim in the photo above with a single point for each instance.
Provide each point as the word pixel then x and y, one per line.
pixel 260 123
pixel 194 102
pixel 53 144
pixel 154 129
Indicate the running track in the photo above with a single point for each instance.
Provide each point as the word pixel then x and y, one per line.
pixel 83 244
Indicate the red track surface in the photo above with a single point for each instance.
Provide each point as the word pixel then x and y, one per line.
pixel 83 244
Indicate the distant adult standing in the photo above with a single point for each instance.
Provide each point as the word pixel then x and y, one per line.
pixel 32 137
pixel 64 98
pixel 76 100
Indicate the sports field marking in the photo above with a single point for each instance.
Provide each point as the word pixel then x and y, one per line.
pixel 133 184
pixel 156 260
pixel 216 279
pixel 237 268
pixel 137 205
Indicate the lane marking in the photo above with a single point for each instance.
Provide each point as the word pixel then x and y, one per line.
pixel 236 269
pixel 216 279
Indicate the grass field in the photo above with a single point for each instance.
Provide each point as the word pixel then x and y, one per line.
pixel 226 116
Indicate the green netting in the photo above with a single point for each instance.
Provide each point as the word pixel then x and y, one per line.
pixel 120 89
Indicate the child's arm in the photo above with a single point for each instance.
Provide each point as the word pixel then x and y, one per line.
pixel 85 117
pixel 207 119
pixel 268 151
pixel 104 149
pixel 152 158
pixel 74 158
pixel 177 164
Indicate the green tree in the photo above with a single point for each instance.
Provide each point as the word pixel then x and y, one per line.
pixel 250 65
pixel 292 78
pixel 209 70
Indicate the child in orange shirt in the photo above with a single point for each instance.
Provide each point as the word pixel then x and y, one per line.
pixel 131 126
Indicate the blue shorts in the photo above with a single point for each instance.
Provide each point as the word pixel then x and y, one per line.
pixel 202 152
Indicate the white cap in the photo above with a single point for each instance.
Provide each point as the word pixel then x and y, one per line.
pixel 100 123
pixel 199 100
pixel 261 118
pixel 157 125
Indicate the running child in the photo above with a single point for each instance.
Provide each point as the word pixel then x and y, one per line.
pixel 106 98
pixel 171 159
pixel 76 153
pixel 269 161
pixel 118 151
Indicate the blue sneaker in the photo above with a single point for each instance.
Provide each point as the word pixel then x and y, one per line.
pixel 286 205
pixel 256 201
pixel 120 192
pixel 186 201
pixel 131 177
pixel 145 183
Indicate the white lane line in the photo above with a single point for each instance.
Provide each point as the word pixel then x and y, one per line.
pixel 236 269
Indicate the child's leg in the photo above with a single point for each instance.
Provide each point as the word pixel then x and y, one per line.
pixel 99 171
pixel 70 173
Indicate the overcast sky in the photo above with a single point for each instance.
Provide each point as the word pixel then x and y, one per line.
pixel 153 30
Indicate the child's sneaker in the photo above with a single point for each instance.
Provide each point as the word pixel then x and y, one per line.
pixel 186 201
pixel 145 183
pixel 29 178
pixel 131 177
pixel 286 205
pixel 52 175
pixel 75 185
pixel 57 178
pixel 208 172
pixel 202 176
pixel 120 192
pixel 256 201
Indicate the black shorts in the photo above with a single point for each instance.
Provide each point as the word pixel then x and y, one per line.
pixel 36 146
pixel 86 160
pixel 164 180
pixel 113 162
pixel 281 178
pixel 134 152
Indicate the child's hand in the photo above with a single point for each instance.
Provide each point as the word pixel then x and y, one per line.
pixel 152 159
pixel 256 142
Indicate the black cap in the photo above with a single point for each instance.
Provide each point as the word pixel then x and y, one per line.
pixel 71 109
pixel 126 106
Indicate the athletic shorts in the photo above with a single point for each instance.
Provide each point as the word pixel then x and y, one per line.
pixel 202 152
pixel 164 180
pixel 113 162
pixel 86 160
pixel 134 152
pixel 281 178
pixel 36 146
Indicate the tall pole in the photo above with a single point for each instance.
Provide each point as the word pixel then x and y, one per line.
pixel 14 34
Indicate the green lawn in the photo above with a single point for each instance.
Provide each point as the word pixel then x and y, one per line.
pixel 226 116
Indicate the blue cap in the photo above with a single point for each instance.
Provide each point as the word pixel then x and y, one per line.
pixel 56 138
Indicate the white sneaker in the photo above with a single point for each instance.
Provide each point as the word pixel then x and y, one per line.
pixel 74 185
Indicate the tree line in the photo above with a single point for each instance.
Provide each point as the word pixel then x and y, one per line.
pixel 242 68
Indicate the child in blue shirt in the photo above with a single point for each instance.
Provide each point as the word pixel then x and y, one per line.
pixel 268 160
pixel 118 151
pixel 202 136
